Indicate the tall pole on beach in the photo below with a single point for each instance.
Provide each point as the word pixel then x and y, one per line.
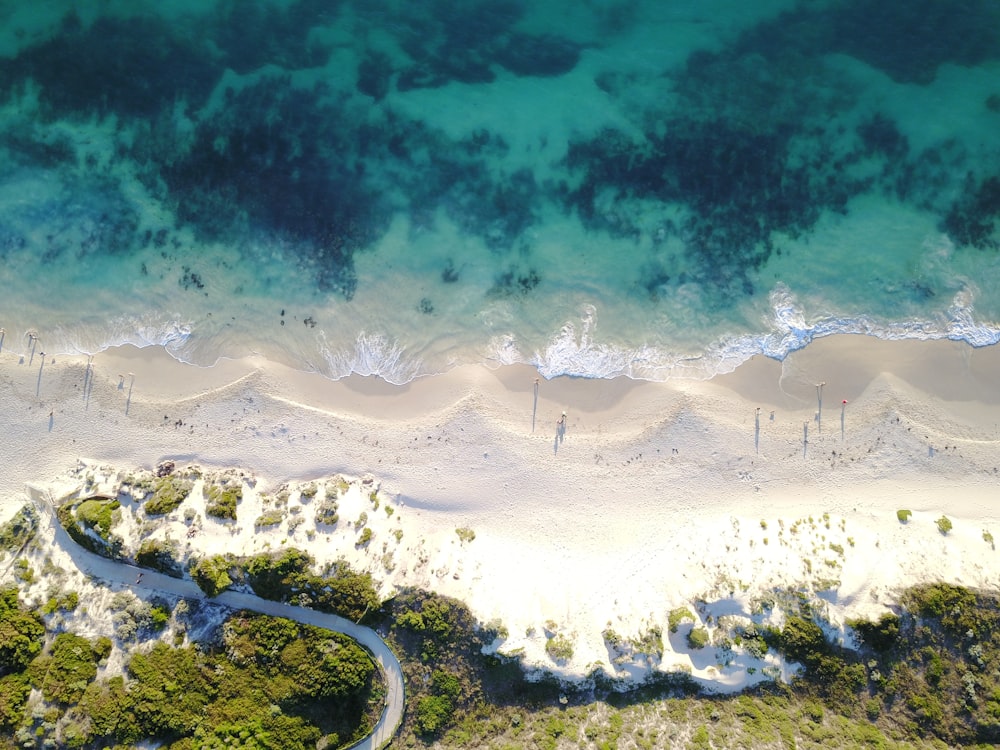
pixel 38 385
pixel 3 335
pixel 756 431
pixel 843 410
pixel 819 406
pixel 128 401
pixel 34 340
pixel 534 409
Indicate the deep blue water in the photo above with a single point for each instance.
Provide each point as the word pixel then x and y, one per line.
pixel 639 188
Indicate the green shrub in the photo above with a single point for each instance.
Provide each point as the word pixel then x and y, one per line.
pixel 20 529
pixel 366 536
pixel 168 494
pixel 879 636
pixel 63 674
pixel 326 510
pixel 308 492
pixel 222 501
pixel 97 514
pixel 559 648
pixel 212 574
pixel 697 638
pixel 677 616
pixel 904 515
pixel 465 534
pixel 433 713
pixel 269 518
pixel 944 524
pixel 21 633
pixel 159 556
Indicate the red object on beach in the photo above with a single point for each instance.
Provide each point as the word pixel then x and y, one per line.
pixel 844 401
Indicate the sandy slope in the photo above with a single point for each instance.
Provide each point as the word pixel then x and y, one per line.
pixel 652 497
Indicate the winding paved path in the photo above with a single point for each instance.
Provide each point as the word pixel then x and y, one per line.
pixel 125 575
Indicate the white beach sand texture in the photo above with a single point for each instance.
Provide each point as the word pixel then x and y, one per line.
pixel 652 497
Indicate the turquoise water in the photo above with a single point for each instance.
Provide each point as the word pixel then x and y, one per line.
pixel 643 188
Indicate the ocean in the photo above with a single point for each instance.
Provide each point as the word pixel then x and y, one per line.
pixel 599 188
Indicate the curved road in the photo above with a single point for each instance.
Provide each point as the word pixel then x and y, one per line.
pixel 124 574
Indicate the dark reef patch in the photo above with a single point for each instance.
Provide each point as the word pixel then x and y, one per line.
pixel 251 35
pixel 737 188
pixel 258 165
pixel 908 41
pixel 879 135
pixel 126 66
pixel 374 73
pixel 543 56
pixel 972 219
pixel 467 42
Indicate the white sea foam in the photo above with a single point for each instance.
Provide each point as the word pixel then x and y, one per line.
pixel 573 351
pixel 373 354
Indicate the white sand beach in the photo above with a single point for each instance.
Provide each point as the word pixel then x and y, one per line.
pixel 650 498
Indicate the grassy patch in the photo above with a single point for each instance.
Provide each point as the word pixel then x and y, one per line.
pixel 904 515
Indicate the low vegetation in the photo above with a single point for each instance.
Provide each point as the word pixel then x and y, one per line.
pixel 904 515
pixel 316 688
pixel 168 494
pixel 89 523
pixel 19 529
pixel 221 500
pixel 160 556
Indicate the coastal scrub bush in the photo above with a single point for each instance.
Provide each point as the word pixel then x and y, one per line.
pixel 465 534
pixel 697 638
pixel 160 556
pixel 282 576
pixel 880 636
pixel 326 510
pixel 97 514
pixel 168 493
pixel 222 500
pixel 559 648
pixel 677 616
pixel 91 528
pixel 269 518
pixel 904 515
pixel 308 492
pixel 212 574
pixel 21 633
pixel 366 536
pixel 19 529
pixel 944 524
pixel 64 672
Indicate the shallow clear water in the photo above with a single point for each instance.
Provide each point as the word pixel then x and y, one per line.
pixel 632 188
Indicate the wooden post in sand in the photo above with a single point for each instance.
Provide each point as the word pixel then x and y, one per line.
pixel 128 401
pixel 534 409
pixel 819 406
pixel 843 409
pixel 756 431
pixel 38 384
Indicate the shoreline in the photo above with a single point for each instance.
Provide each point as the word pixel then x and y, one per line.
pixel 657 495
